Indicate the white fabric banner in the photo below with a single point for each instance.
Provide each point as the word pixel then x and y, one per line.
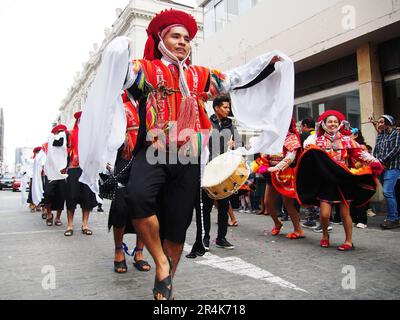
pixel 37 182
pixel 56 158
pixel 266 106
pixel 103 122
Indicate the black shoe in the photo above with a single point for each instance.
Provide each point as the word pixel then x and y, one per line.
pixel 390 224
pixel 191 255
pixel 100 209
pixel 224 244
pixel 285 217
pixel 309 224
pixel 206 243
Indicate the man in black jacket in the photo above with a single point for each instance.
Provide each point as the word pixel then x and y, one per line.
pixel 224 136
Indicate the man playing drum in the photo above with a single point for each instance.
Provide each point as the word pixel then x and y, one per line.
pixel 225 136
pixel 171 94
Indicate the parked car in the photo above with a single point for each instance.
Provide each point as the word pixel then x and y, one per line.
pixel 6 181
pixel 16 184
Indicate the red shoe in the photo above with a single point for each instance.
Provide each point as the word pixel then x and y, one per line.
pixel 276 230
pixel 295 236
pixel 324 243
pixel 346 247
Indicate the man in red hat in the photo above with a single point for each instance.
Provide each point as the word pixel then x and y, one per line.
pixel 77 192
pixel 56 163
pixel 174 127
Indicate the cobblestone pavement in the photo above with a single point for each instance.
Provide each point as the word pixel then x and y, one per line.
pixel 39 262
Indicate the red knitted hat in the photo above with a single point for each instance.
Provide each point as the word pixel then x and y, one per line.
pixel 338 115
pixel 161 21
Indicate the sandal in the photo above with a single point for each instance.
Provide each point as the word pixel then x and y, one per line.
pixel 141 263
pixel 69 233
pixel 120 265
pixel 44 216
pixel 49 221
pixel 164 287
pixel 276 230
pixel 87 231
pixel 58 223
pixel 324 243
pixel 233 224
pixel 346 247
pixel 295 236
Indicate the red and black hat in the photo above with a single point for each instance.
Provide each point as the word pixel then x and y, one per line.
pixel 163 20
pixel 36 150
pixel 59 128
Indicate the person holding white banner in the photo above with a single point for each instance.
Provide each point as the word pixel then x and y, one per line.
pixel 174 127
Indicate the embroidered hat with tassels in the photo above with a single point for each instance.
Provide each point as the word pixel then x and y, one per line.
pixel 162 21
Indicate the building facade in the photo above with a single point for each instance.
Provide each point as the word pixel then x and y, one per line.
pixel 131 22
pixel 1 140
pixel 20 154
pixel 346 53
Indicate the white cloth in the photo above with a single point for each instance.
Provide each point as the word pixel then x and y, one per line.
pixel 311 140
pixel 24 194
pixel 37 182
pixel 103 122
pixel 56 158
pixel 266 106
pixel 27 166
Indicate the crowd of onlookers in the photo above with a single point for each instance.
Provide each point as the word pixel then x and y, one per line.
pixel 251 198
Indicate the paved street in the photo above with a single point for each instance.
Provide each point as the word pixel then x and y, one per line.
pixel 39 262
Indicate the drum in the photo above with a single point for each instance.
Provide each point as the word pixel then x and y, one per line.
pixel 224 175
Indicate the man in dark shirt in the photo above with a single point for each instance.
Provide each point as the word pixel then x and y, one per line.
pixel 387 151
pixel 307 129
pixel 224 136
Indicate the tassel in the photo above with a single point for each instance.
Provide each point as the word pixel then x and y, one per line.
pixel 187 115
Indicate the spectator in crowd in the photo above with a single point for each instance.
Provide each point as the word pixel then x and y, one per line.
pixel 312 212
pixel 307 129
pixel 387 151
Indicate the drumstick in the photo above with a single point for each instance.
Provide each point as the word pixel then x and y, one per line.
pixel 230 147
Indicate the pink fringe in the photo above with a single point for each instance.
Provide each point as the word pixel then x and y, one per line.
pixel 187 114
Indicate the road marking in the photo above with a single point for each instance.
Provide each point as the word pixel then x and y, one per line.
pixel 240 267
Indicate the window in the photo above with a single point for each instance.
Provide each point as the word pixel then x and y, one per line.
pixel 220 15
pixel 209 19
pixel 391 91
pixel 217 13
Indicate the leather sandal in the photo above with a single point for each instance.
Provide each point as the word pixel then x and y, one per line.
pixel 120 265
pixel 164 287
pixel 87 231
pixel 49 221
pixel 58 223
pixel 69 233
pixel 140 264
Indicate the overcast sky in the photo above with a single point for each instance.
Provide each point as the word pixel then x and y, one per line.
pixel 43 45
